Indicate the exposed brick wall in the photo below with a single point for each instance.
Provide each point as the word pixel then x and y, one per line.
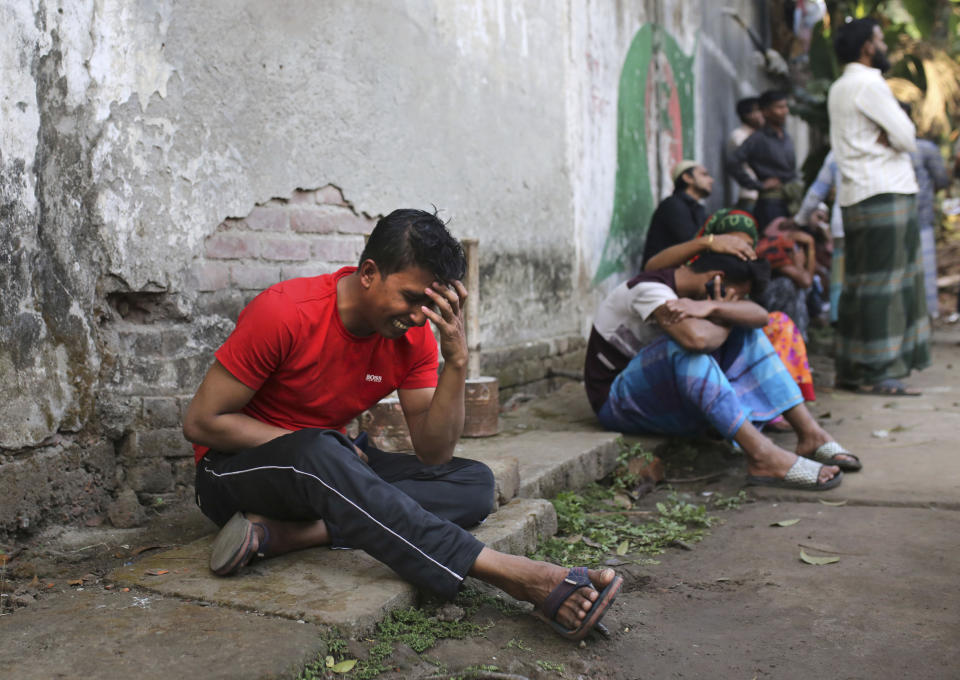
pixel 312 232
pixel 157 346
pixel 161 344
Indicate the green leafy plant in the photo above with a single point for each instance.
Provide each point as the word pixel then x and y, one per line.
pixel 551 666
pixel 589 532
pixel 623 479
pixel 722 502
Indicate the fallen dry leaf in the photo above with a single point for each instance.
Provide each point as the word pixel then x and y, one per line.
pixel 835 504
pixel 75 582
pixel 785 522
pixel 344 666
pixel 156 572
pixel 817 561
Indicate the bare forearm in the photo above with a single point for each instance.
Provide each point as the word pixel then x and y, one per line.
pixel 676 255
pixel 230 431
pixel 740 313
pixel 442 424
pixel 712 335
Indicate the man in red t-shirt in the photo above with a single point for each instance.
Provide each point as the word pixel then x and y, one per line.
pixel 276 472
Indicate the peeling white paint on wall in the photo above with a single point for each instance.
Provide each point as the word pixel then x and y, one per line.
pixel 112 50
pixel 19 116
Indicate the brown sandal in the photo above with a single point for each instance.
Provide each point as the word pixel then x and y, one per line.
pixel 234 548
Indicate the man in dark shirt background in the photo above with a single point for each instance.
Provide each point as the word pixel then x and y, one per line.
pixel 770 153
pixel 681 214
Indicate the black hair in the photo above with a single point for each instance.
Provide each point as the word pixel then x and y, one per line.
pixel 907 108
pixel 746 105
pixel 414 238
pixel 851 37
pixel 756 272
pixel 771 96
pixel 680 184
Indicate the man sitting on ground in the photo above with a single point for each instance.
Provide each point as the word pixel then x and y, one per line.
pixel 308 355
pixel 681 214
pixel 680 351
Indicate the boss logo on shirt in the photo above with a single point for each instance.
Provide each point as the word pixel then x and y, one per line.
pixel 374 378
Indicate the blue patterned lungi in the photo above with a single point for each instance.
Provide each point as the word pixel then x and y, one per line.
pixel 667 389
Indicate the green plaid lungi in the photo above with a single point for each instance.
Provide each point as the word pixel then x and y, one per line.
pixel 882 326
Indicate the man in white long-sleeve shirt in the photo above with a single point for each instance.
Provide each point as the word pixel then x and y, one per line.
pixel 883 331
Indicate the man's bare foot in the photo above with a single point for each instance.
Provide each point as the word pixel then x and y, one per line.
pixel 532 581
pixel 810 436
pixel 766 459
pixel 277 537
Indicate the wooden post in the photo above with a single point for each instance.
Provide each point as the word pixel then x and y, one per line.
pixel 472 312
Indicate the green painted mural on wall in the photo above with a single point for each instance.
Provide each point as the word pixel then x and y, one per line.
pixel 654 108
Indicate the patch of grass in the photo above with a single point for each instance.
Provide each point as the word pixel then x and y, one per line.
pixel 518 644
pixel 470 600
pixel 415 627
pixel 589 532
pixel 557 668
pixel 721 502
pixel 624 480
pixel 336 650
pixel 420 631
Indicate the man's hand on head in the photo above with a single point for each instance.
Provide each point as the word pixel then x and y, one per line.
pixel 728 244
pixel 447 316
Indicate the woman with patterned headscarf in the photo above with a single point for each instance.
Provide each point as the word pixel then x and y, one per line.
pixel 735 232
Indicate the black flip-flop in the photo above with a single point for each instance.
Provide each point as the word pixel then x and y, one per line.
pixel 578 577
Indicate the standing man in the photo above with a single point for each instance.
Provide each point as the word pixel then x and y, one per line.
pixel 770 154
pixel 276 472
pixel 751 118
pixel 883 331
pixel 681 214
pixel 826 181
pixel 931 178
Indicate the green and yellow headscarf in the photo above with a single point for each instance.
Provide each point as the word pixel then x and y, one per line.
pixel 727 220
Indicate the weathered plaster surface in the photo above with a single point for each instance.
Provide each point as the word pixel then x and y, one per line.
pixel 131 131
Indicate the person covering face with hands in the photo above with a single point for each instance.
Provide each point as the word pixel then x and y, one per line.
pixel 277 473
pixel 667 356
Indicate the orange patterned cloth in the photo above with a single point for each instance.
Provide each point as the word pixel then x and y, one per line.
pixel 792 350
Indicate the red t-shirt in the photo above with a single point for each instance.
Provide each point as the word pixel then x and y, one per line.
pixel 307 369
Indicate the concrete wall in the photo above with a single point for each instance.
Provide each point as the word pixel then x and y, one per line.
pixel 162 162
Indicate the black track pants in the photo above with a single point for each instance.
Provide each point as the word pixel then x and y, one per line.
pixel 406 514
